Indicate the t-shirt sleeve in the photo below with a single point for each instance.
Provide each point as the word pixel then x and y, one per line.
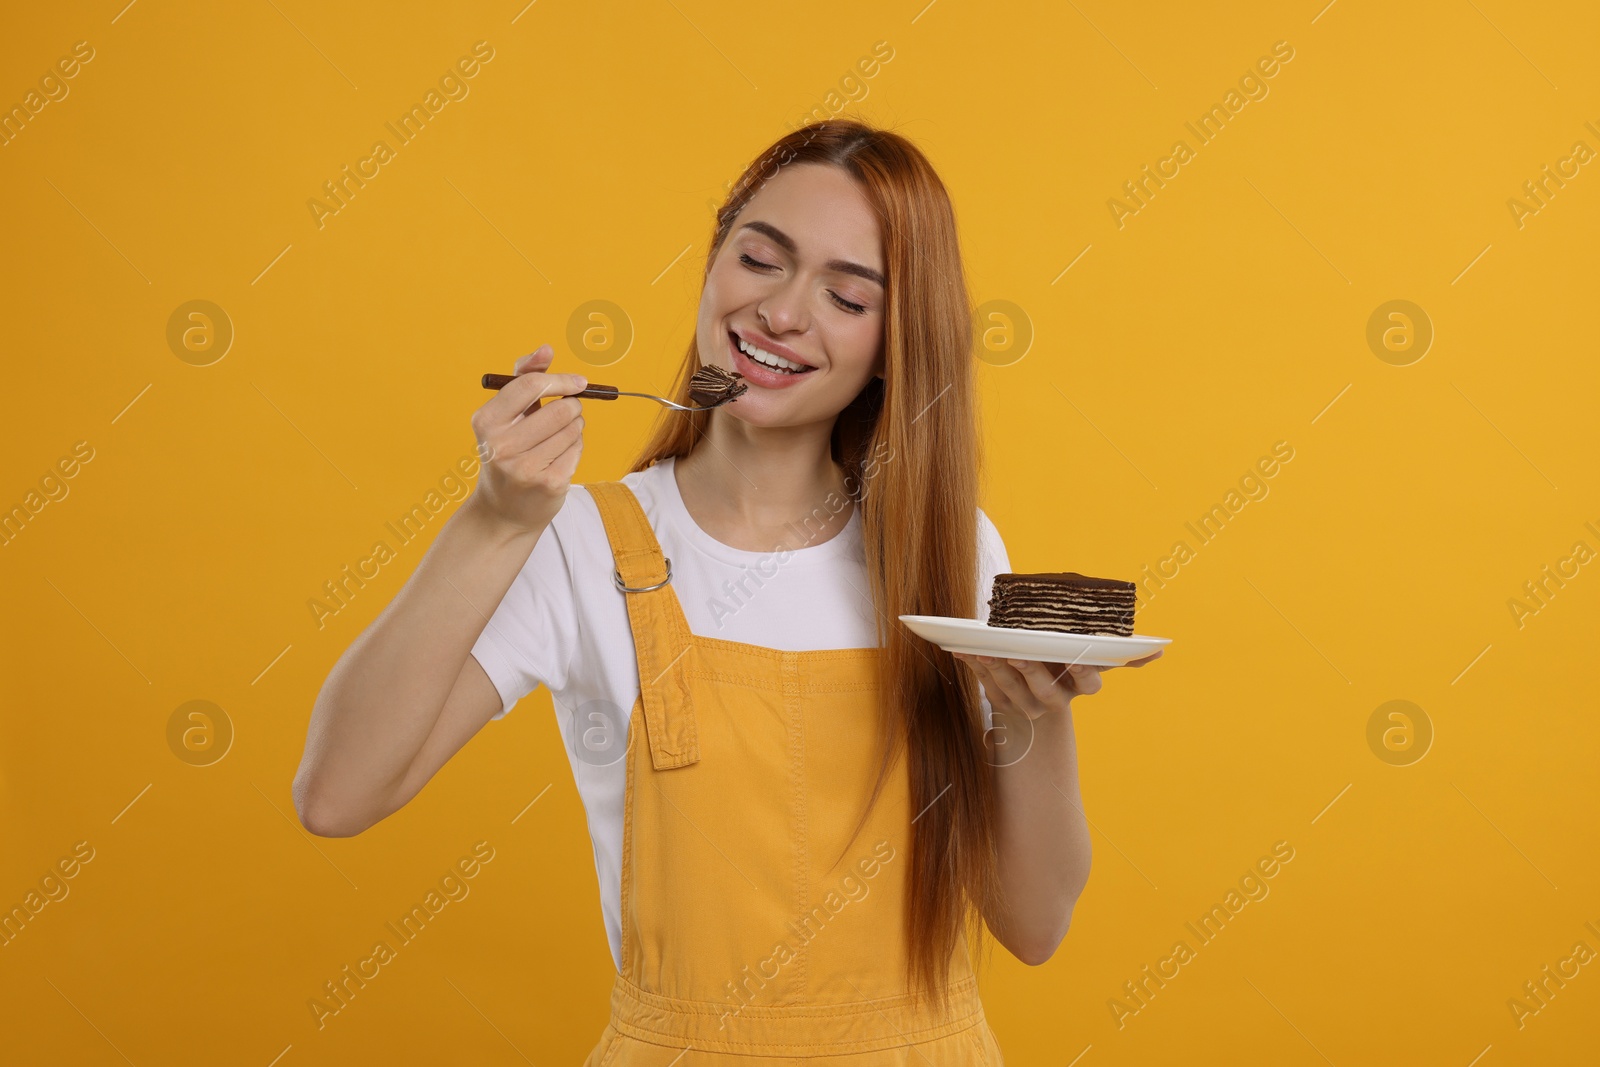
pixel 532 636
pixel 992 560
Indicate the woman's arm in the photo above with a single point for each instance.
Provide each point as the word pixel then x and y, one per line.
pixel 388 694
pixel 1043 832
pixel 384 698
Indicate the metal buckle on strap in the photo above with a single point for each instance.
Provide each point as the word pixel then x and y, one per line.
pixel 616 576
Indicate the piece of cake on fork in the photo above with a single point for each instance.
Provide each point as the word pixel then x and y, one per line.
pixel 1064 601
pixel 711 385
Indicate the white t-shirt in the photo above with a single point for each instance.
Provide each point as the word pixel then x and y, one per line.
pixel 563 624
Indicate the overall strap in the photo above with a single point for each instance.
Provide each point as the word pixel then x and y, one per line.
pixel 660 632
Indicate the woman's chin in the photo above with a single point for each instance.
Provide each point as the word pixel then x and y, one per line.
pixel 751 412
pixel 762 412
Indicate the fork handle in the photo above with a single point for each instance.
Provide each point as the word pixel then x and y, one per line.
pixel 593 392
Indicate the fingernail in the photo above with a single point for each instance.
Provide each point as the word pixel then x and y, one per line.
pixel 1016 662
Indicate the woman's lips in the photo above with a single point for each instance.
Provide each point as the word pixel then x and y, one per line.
pixel 758 374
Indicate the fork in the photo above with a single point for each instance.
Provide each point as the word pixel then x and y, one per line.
pixel 601 392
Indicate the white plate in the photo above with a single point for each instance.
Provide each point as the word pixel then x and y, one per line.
pixel 1050 646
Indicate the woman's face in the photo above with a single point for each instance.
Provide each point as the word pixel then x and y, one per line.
pixel 799 276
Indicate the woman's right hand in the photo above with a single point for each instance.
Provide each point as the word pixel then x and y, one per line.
pixel 529 444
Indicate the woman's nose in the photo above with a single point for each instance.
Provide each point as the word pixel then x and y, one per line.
pixel 784 310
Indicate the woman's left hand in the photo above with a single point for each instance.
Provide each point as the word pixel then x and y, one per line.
pixel 1034 687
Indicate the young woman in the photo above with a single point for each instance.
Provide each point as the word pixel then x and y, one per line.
pixel 803 815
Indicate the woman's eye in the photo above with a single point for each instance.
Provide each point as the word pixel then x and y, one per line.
pixel 756 264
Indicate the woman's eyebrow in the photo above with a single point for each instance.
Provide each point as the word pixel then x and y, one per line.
pixel 842 266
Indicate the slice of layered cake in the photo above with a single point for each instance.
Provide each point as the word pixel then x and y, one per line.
pixel 1066 601
pixel 711 385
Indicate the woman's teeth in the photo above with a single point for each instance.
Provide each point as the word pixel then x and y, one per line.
pixel 767 359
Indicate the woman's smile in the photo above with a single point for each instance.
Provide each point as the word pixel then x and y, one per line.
pixel 758 373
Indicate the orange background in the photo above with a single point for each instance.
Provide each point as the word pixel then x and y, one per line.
pixel 1228 314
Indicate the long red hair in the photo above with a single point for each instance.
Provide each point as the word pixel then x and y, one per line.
pixel 919 425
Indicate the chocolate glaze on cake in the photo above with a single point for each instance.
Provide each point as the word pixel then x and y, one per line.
pixel 712 384
pixel 1065 601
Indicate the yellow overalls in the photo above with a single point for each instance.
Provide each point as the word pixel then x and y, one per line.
pixel 743 941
